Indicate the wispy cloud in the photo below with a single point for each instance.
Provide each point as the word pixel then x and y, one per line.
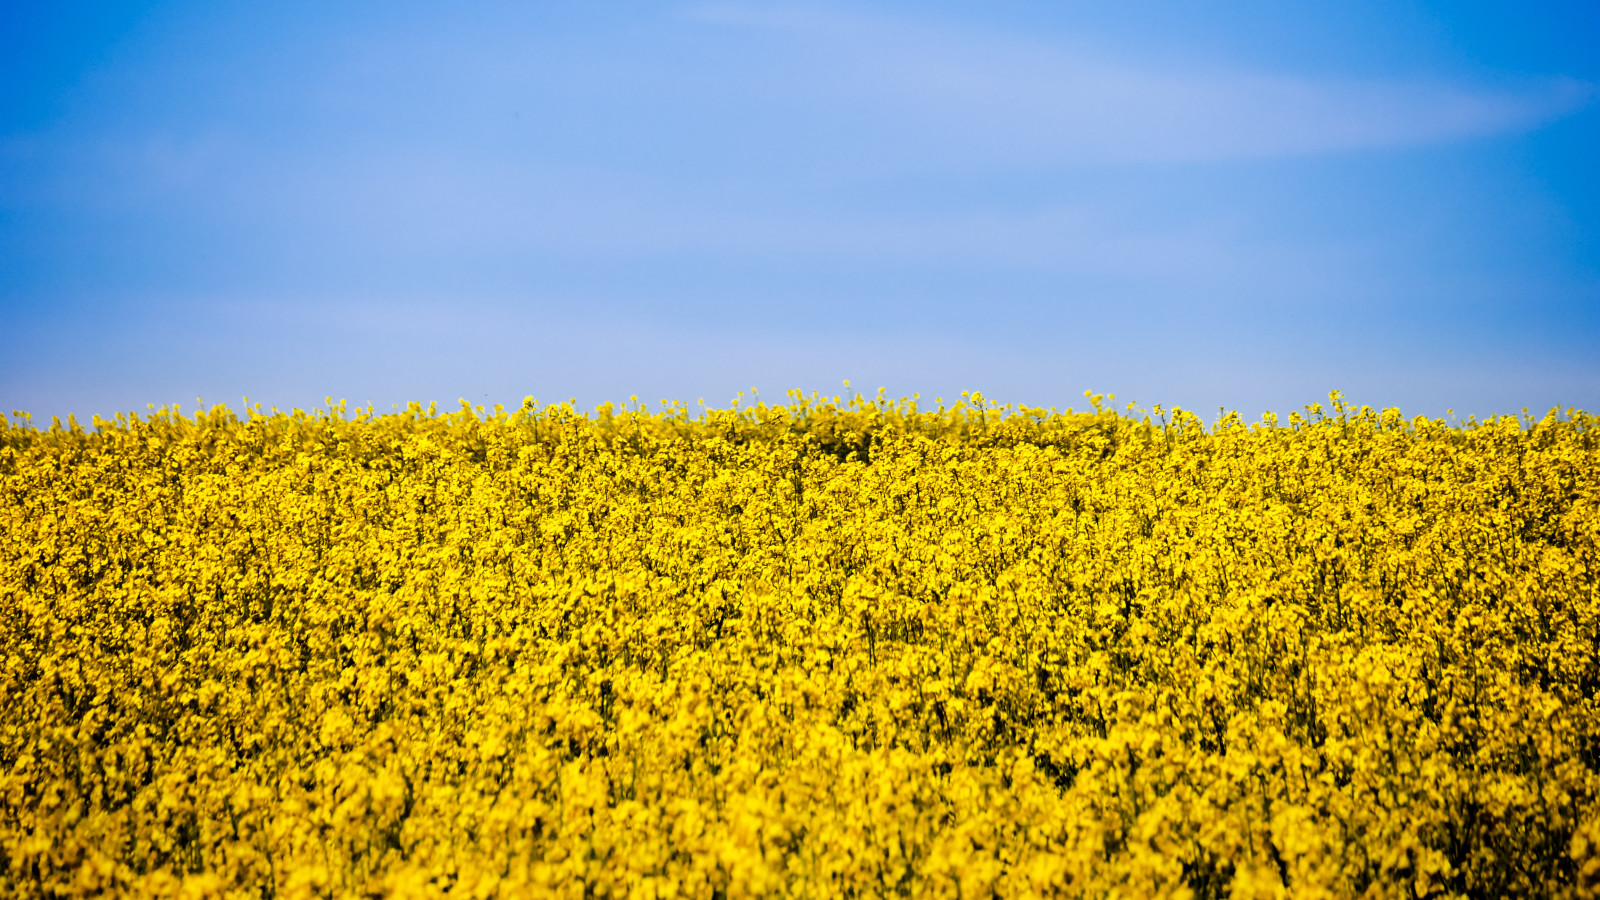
pixel 1034 100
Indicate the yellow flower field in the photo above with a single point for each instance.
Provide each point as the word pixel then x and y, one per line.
pixel 825 649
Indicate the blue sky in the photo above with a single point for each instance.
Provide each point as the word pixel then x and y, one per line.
pixel 1240 204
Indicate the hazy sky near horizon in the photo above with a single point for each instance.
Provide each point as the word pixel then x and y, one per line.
pixel 1240 204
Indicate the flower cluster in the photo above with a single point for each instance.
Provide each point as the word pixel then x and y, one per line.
pixel 824 648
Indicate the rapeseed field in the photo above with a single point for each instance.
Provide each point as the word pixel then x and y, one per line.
pixel 830 648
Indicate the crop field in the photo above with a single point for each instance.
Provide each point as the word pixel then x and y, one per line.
pixel 828 648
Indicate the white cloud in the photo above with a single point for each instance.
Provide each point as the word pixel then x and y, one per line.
pixel 1005 96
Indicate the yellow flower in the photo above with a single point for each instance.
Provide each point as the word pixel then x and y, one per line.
pixel 834 647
